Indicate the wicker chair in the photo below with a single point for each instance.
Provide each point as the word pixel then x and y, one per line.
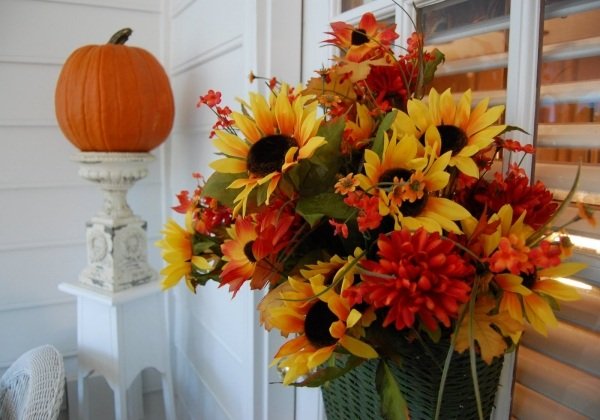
pixel 33 387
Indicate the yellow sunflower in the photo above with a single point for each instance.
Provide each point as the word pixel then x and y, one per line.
pixel 322 319
pixel 407 178
pixel 274 136
pixel 177 251
pixel 455 127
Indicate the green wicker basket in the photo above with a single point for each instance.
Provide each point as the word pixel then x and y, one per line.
pixel 354 396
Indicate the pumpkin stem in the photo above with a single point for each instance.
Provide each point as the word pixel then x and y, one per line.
pixel 120 37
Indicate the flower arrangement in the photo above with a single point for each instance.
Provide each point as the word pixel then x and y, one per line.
pixel 372 216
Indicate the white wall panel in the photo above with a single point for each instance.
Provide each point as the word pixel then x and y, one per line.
pixel 48 322
pixel 219 315
pixel 204 26
pixel 191 150
pixel 44 205
pixel 224 73
pixel 35 272
pixel 217 368
pixel 22 166
pixel 53 29
pixel 195 400
pixel 31 88
pixel 45 214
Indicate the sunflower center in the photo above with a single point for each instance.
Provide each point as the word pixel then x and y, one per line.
pixel 453 138
pixel 412 209
pixel 529 279
pixel 268 154
pixel 403 175
pixel 248 251
pixel 316 325
pixel 359 37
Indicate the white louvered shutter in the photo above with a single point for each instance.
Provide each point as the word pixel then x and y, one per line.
pixel 491 47
pixel 557 377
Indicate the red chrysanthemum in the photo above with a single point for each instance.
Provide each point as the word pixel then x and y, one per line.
pixel 418 275
pixel 513 189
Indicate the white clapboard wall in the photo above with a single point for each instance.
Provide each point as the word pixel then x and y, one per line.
pixel 44 205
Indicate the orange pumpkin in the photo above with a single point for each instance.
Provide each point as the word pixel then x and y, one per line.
pixel 114 98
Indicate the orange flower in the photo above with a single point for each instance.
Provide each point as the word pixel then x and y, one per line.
pixel 346 184
pixel 366 40
pixel 251 253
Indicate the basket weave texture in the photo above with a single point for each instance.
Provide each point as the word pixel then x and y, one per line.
pixel 353 396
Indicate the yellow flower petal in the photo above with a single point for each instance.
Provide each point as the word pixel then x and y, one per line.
pixel 358 348
pixel 353 318
pixel 512 304
pixel 556 289
pixel 309 147
pixel 231 145
pixel 229 165
pixel 447 108
pixel 262 114
pixel 284 114
pixel 247 126
pixel 563 270
pixel 201 263
pixel 512 283
pixel 539 313
pixel 320 356
pixel 488 118
pixel 463 111
pixel 466 165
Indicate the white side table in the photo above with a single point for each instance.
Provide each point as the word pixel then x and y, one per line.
pixel 119 335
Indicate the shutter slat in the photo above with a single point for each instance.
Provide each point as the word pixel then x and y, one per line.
pixel 584 312
pixel 572 136
pixel 585 91
pixel 561 176
pixel 569 344
pixel 573 50
pixel 572 387
pixel 530 405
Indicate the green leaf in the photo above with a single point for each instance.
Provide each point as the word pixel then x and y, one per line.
pixel 298 173
pixel 393 404
pixel 201 244
pixel 431 65
pixel 383 127
pixel 330 205
pixel 513 128
pixel 200 279
pixel 216 187
pixel 332 132
pixel 321 376
pixel 318 174
pixel 261 193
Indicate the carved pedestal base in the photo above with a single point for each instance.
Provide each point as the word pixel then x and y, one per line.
pixel 115 237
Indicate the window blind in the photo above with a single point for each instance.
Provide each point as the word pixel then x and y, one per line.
pixel 556 377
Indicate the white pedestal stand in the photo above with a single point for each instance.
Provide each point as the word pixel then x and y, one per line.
pixel 120 309
pixel 118 336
